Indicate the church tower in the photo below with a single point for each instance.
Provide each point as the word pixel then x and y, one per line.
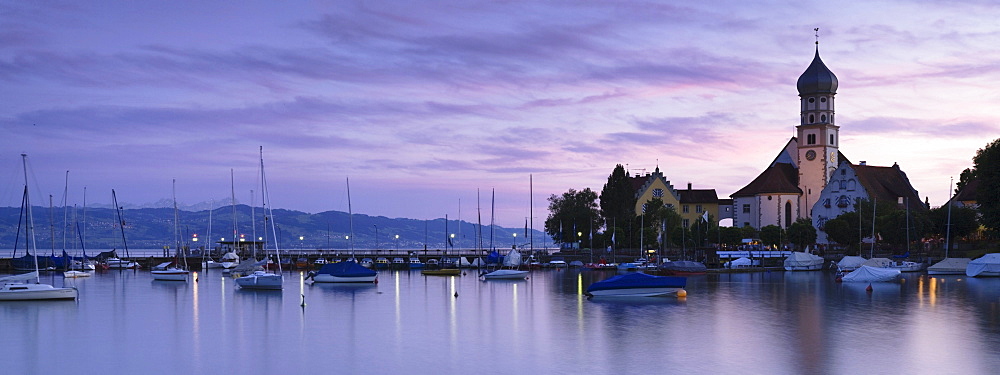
pixel 817 132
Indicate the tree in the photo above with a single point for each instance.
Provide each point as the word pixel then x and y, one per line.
pixel 802 233
pixel 571 213
pixel 963 221
pixel 659 221
pixel 987 171
pixel 618 198
pixel 771 235
pixel 840 229
pixel 967 176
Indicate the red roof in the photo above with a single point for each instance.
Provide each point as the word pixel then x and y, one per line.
pixel 887 184
pixel 779 178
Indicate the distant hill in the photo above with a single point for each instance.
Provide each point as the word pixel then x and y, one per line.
pixel 153 228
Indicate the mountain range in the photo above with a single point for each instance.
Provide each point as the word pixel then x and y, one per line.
pixel 153 228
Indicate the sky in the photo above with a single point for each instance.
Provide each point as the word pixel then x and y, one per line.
pixel 425 105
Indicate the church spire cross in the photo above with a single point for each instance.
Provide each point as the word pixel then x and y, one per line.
pixel 817 35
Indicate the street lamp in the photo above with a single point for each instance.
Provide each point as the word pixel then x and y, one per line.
pixel 515 240
pixel 579 240
pixel 397 243
pixel 301 239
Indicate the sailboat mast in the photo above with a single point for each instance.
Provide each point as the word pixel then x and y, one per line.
pixel 177 241
pixel 232 198
pixel 121 221
pixel 29 219
pixel 871 253
pixel 947 236
pixel 268 213
pixel 531 212
pixel 350 215
pixel 65 209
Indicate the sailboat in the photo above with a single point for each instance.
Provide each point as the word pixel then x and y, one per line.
pixel 347 271
pixel 513 259
pixel 949 266
pixel 17 287
pixel 262 279
pixel 173 272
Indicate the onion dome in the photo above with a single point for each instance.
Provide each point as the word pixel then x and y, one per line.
pixel 817 79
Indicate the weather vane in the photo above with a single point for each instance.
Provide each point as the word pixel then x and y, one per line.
pixel 817 35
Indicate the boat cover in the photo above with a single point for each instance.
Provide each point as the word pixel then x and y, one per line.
pixel 638 280
pixel 684 266
pixel 851 262
pixel 463 262
pixel 18 278
pixel 872 274
pixel 878 262
pixel 986 263
pixel 802 259
pixel 346 269
pixel 576 263
pixel 741 262
pixel 513 259
pixel 957 265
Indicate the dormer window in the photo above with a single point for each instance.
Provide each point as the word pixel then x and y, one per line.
pixel 657 193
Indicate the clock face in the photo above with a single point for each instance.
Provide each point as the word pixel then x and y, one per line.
pixel 810 154
pixel 833 156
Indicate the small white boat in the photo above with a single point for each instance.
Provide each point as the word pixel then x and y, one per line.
pixel 82 265
pixel 415 263
pixel 558 262
pixel 260 280
pixel 506 274
pixel 908 266
pixel 985 266
pixel 170 274
pixel 229 260
pixel 802 261
pixel 120 264
pixel 75 274
pixel 17 288
pixel 949 266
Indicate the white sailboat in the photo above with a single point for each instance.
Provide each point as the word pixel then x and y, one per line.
pixel 18 287
pixel 174 271
pixel 949 266
pixel 262 279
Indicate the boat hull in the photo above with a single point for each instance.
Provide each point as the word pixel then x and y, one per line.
pixel 442 272
pixel 811 267
pixel 327 278
pixel 637 285
pixel 170 275
pixel 260 280
pixel 35 292
pixel 506 275
pixel 75 274
pixel 636 292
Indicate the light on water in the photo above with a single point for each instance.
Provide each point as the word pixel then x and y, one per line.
pixel 767 323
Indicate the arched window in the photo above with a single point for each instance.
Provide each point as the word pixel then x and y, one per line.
pixel 851 185
pixel 822 118
pixel 788 214
pixel 811 119
pixel 831 135
pixel 822 100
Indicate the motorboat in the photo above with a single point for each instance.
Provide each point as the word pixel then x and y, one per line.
pixel 260 280
pixel 441 272
pixel 683 267
pixel 637 284
pixel 507 274
pixel 367 263
pixel 575 264
pixel 75 274
pixel 908 266
pixel 850 263
pixel 381 263
pixel 120 264
pixel 343 272
pixel 170 273
pixel 802 261
pixel 415 263
pixel 949 266
pixel 558 262
pixel 398 264
pixel 742 262
pixel 17 288
pixel 984 266
pixel 867 273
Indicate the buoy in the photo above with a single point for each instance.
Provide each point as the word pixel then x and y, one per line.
pixel 682 293
pixel 303 300
pixel 869 288
pixel 456 294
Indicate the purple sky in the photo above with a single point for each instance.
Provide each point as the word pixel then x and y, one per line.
pixel 422 102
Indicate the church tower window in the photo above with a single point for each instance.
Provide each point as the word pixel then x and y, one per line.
pixel 822 118
pixel 811 119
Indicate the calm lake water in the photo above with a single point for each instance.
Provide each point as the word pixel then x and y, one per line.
pixel 756 323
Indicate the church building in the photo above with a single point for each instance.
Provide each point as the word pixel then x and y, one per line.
pixel 787 189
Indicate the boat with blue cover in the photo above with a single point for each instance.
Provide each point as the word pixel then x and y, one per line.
pixel 343 272
pixel 637 284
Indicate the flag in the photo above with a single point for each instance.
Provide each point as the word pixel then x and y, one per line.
pixel 705 216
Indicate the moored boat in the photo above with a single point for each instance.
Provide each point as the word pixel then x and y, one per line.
pixel 415 263
pixel 949 266
pixel 343 272
pixel 802 261
pixel 637 284
pixel 17 288
pixel 850 263
pixel 867 273
pixel 985 266
pixel 683 267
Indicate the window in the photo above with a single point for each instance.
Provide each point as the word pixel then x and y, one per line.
pixel 851 184
pixel 811 119
pixel 697 208
pixel 746 208
pixel 843 185
pixel 822 118
pixel 843 172
pixel 657 193
pixel 686 223
pixel 843 201
pixel 831 135
pixel 644 208
pixel 686 208
pixel 812 100
pixel 826 203
pixel 811 138
pixel 822 100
